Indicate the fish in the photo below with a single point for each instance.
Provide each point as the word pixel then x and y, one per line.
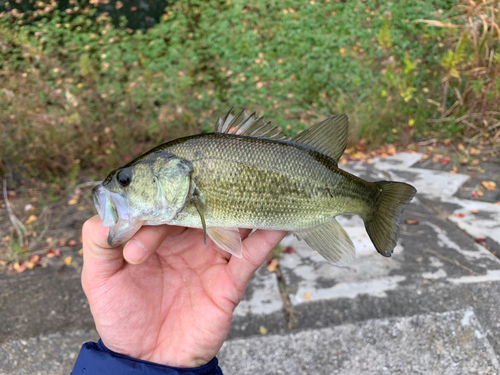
pixel 248 174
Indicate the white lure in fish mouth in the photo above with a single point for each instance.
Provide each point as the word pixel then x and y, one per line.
pixel 114 212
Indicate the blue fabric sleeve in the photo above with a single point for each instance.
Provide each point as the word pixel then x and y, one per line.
pixel 96 359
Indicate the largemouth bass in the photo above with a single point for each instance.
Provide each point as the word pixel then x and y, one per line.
pixel 249 175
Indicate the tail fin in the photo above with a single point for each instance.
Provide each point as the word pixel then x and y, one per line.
pixel 383 223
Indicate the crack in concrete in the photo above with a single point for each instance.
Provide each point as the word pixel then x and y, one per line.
pixel 288 309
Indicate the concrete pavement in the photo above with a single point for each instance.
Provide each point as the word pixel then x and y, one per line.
pixel 432 308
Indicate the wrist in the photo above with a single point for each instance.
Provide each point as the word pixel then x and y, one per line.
pixel 174 358
pixel 102 359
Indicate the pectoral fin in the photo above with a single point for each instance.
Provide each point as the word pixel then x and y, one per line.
pixel 228 239
pixel 199 203
pixel 331 241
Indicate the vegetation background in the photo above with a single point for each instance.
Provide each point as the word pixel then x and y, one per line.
pixel 82 92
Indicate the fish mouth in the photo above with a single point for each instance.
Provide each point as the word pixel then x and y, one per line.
pixel 114 212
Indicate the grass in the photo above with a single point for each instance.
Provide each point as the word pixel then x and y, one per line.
pixel 79 97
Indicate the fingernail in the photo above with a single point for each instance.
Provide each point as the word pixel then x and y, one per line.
pixel 134 252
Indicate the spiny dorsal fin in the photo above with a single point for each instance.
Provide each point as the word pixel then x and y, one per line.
pixel 249 125
pixel 328 137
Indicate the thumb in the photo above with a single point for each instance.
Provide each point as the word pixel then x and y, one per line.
pixel 100 259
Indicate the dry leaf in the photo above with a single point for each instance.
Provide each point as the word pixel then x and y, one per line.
pixel 19 268
pixel 31 220
pixel 307 296
pixel 262 330
pixel 411 222
pixel 474 151
pixel 475 162
pixel 477 194
pixel 62 242
pixel 53 253
pixel 273 265
pixel 489 185
pixel 289 250
pixel 30 265
pixel 67 261
pixel 35 258
pixel 460 215
pixel 480 240
pixel 73 201
pixel 475 211
pixel 72 243
pixel 80 252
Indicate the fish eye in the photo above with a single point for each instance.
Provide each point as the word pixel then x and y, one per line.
pixel 123 178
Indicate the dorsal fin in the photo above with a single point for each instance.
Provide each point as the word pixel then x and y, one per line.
pixel 328 137
pixel 249 125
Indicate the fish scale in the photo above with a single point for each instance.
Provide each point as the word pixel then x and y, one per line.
pixel 247 181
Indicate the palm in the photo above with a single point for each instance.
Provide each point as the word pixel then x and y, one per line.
pixel 175 308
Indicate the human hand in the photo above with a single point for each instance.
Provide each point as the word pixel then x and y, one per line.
pixel 171 301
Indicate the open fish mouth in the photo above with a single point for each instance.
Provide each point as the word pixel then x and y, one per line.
pixel 114 212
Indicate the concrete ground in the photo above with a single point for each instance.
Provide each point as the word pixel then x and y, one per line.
pixel 432 308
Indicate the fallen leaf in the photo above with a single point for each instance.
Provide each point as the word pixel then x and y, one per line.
pixel 445 161
pixel 72 243
pixel 477 194
pixel 480 240
pixel 30 265
pixel 19 268
pixel 289 250
pixel 474 151
pixel 307 296
pixel 53 253
pixel 273 265
pixel 31 220
pixel 35 258
pixel 12 194
pixel 460 215
pixel 489 185
pixel 62 242
pixel 475 211
pixel 411 222
pixel 67 261
pixel 80 252
pixel 73 201
pixel 262 330
pixel 475 162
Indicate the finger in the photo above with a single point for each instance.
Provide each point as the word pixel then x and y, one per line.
pixel 146 241
pixel 99 257
pixel 256 248
pixel 244 233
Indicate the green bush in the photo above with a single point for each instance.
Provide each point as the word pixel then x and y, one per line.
pixel 78 90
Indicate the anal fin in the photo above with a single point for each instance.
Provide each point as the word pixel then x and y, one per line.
pixel 228 239
pixel 331 241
